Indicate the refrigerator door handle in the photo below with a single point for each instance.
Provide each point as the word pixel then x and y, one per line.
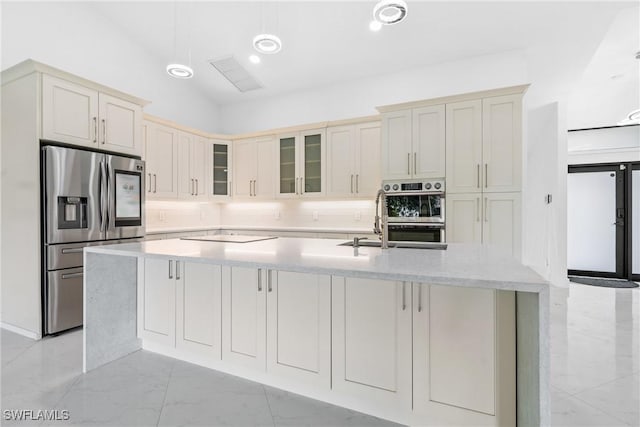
pixel 103 190
pixel 109 197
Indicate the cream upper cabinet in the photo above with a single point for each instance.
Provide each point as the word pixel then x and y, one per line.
pixel 299 327
pixel 371 338
pixel 69 112
pixel 253 168
pixel 161 156
pixel 78 115
pixel 300 158
pixel 192 166
pixel 353 160
pixel 413 143
pixel 220 161
pixel 464 147
pixel 488 218
pixel 484 145
pixel 502 143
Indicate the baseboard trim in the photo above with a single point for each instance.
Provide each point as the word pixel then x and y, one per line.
pixel 20 331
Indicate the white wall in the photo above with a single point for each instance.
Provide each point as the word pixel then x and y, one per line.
pixel 90 46
pixel 608 145
pixel 360 97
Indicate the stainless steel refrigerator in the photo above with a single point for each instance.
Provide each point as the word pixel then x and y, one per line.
pixel 88 198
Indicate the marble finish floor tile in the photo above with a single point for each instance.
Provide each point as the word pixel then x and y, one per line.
pixel 595 367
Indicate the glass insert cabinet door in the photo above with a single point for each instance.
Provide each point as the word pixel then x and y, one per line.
pixel 220 170
pixel 288 177
pixel 301 168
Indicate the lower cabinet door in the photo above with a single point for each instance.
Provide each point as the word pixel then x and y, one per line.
pixel 243 317
pixel 198 309
pixel 463 356
pixel 371 354
pixel 157 297
pixel 299 327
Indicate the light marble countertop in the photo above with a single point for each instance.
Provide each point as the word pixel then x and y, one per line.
pixel 174 229
pixel 465 265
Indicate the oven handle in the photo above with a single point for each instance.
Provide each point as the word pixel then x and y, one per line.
pixel 419 224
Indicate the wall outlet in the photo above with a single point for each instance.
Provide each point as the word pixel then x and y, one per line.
pixel 315 215
pixel 357 216
pixel 276 214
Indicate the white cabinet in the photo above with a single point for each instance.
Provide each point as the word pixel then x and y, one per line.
pixel 299 327
pixel 413 143
pixel 464 147
pixel 353 160
pixel 161 156
pixel 488 218
pixel 371 339
pixel 220 161
pixel 502 143
pixel 484 145
pixel 156 294
pixel 198 309
pixel 253 168
pixel 192 166
pixel 463 355
pixel 243 317
pixel 79 115
pixel 300 158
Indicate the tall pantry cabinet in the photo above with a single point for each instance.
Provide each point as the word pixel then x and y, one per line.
pixel 474 141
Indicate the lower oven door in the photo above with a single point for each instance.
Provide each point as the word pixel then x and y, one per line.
pixel 416 233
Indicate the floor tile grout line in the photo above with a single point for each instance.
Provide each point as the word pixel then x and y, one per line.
pixel 24 350
pixel 602 410
pixel 266 396
pixel 166 390
pixel 596 386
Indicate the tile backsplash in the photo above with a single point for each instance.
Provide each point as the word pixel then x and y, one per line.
pixel 176 214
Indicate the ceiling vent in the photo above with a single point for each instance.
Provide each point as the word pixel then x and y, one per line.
pixel 231 69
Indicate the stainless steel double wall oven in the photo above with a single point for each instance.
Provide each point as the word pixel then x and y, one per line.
pixel 415 209
pixel 88 198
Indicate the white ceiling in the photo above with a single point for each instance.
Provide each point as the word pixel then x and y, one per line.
pixel 328 42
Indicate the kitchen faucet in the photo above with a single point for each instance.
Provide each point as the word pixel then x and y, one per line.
pixel 384 232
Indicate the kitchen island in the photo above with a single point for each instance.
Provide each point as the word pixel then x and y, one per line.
pixel 420 337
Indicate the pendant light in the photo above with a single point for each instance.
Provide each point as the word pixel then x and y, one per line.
pixel 388 12
pixel 177 70
pixel 267 43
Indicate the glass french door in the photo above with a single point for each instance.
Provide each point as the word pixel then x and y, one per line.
pixel 603 207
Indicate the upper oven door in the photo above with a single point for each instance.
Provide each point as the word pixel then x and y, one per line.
pixel 415 208
pixel 72 193
pixel 125 194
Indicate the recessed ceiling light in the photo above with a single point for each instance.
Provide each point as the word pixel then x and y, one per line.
pixel 179 71
pixel 254 59
pixel 375 25
pixel 267 43
pixel 389 12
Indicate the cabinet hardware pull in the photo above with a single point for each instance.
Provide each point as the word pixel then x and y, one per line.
pixel 104 131
pixel 197 189
pixel 419 298
pixel 191 187
pixel 155 182
pixel 486 202
pixel 478 176
pixel 296 186
pixel 269 286
pixel 149 183
pixel 486 175
pixel 259 281
pixel 178 270
pixel 301 186
pixel 170 269
pixel 357 183
pixel 415 162
pixel 351 184
pixel 408 163
pixel 72 251
pixel 404 295
pixel 254 188
pixel 477 209
pixel 71 275
pixel 95 129
pixel 250 188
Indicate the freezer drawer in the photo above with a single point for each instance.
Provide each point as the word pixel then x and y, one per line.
pixel 64 300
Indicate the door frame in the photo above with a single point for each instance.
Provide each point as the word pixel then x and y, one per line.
pixel 623 207
pixel 632 166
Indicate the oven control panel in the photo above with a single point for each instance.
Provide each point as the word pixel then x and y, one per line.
pixel 414 186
